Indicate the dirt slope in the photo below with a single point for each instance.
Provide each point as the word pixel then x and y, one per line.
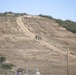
pixel 34 41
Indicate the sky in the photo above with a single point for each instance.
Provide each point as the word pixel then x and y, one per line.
pixel 60 9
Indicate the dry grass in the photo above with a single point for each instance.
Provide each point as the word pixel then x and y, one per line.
pixel 19 45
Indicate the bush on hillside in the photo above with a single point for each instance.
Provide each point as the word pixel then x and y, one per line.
pixel 2 59
pixel 46 16
pixel 68 24
pixel 7 66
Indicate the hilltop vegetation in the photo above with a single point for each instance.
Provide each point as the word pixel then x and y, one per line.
pixel 10 13
pixel 68 24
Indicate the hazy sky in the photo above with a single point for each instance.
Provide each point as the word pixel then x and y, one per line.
pixel 62 9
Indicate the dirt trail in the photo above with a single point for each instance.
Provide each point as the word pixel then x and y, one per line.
pixel 42 42
pixel 25 30
pixel 55 48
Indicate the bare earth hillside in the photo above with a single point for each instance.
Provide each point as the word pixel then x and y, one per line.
pixel 35 41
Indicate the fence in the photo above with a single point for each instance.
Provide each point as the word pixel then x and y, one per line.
pixel 20 72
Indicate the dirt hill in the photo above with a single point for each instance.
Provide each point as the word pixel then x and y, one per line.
pixel 35 41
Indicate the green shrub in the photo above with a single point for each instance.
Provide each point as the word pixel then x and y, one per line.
pixel 2 59
pixel 7 66
pixel 68 24
pixel 46 16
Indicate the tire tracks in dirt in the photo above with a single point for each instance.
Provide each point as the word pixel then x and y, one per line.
pixel 42 42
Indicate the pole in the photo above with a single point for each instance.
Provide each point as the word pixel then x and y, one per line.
pixel 68 61
pixel 16 71
pixel 36 71
pixel 27 71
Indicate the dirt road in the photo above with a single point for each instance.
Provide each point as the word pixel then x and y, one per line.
pixel 42 42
